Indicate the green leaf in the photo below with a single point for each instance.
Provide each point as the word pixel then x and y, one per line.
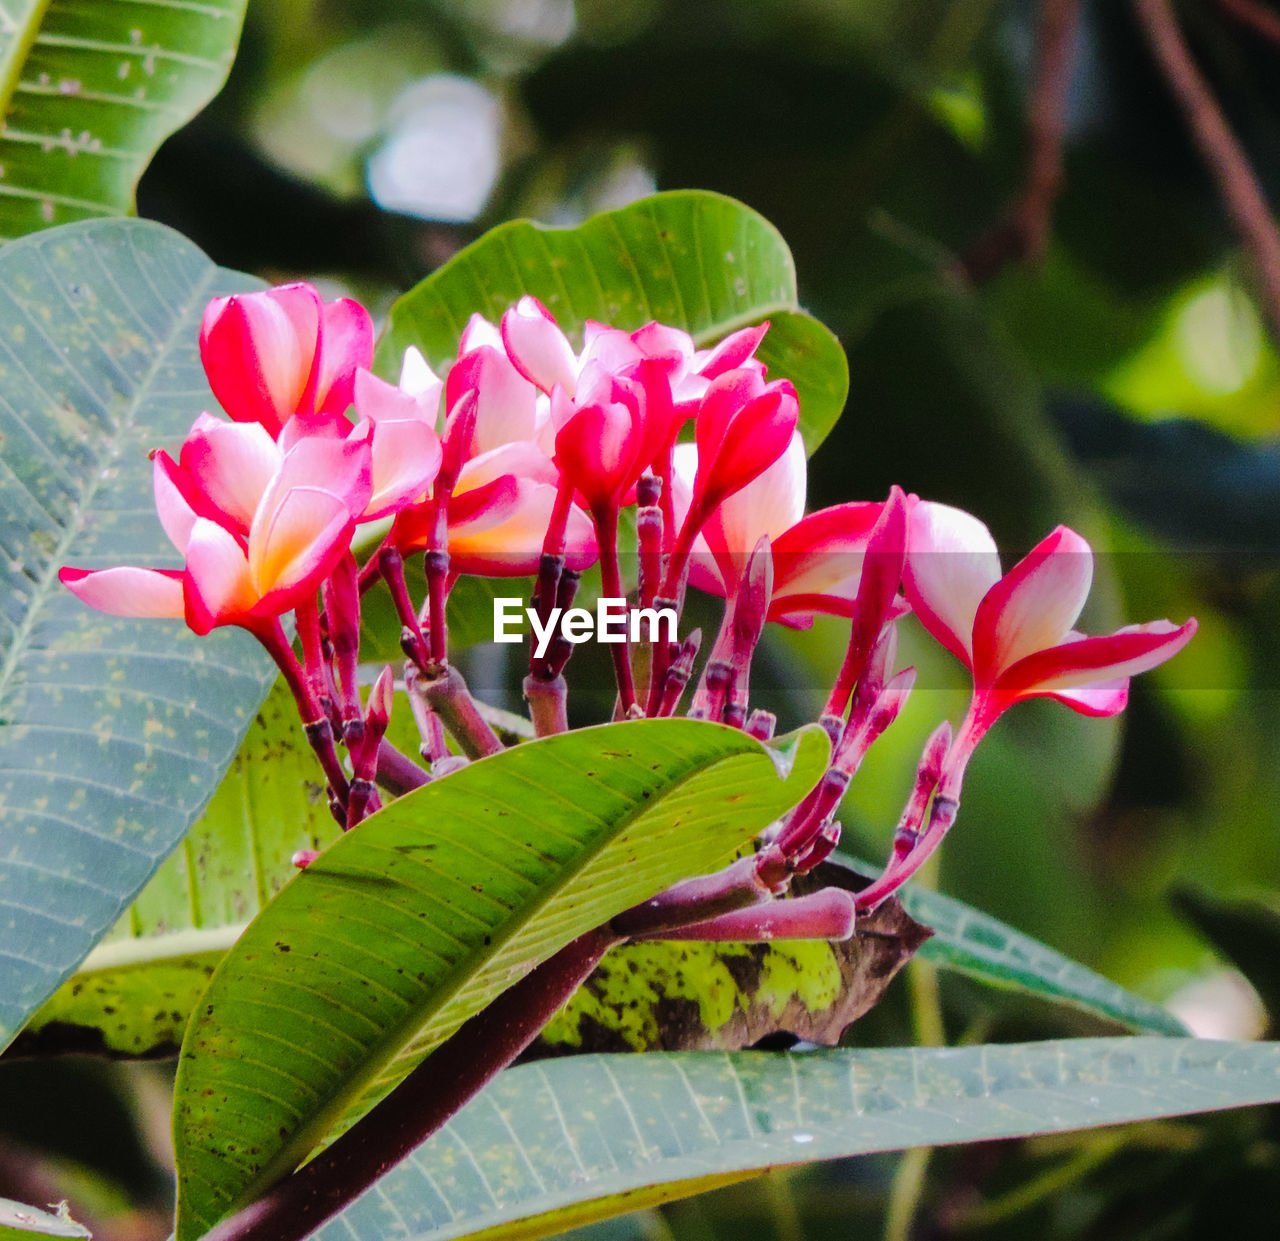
pixel 21 1223
pixel 674 996
pixel 113 732
pixel 563 1142
pixel 691 259
pixel 136 990
pixel 974 943
pixel 88 93
pixel 983 947
pixel 402 930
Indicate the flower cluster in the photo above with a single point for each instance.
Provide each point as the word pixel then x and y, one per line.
pixel 519 462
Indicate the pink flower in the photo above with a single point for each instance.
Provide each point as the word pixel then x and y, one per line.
pixel 249 558
pixel 817 560
pixel 406 452
pixel 1015 633
pixel 282 352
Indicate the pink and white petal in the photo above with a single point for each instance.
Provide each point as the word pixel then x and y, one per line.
pixel 506 402
pixel 665 344
pixel 342 467
pixel 823 553
pixel 298 542
pixel 406 460
pixel 1034 605
pixel 951 564
pixel 506 540
pixel 232 463
pixel 126 591
pixel 258 351
pixel 771 504
pixel 418 379
pixel 478 332
pixel 539 349
pixel 345 344
pixel 1101 699
pixel 732 352
pixel 218 587
pixel 521 458
pixel 176 512
pixel 608 347
pixel 1083 661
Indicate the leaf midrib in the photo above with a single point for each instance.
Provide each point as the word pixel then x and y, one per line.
pixel 16 59
pixel 397 1040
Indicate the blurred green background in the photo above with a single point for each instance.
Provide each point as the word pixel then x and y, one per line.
pixel 1124 382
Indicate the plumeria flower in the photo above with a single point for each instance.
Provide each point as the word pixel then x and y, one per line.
pixel 244 565
pixel 406 452
pixel 282 352
pixel 497 515
pixel 1014 632
pixel 817 560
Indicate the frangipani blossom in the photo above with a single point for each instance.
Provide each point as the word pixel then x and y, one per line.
pixel 1015 633
pixel 817 560
pixel 406 452
pixel 238 572
pixel 282 352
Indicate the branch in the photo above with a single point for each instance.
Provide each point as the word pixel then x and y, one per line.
pixel 1262 21
pixel 1220 150
pixel 456 1071
pixel 1024 231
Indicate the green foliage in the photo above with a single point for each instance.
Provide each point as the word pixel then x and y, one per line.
pixel 402 930
pixel 693 260
pixel 88 92
pixel 21 1223
pixel 558 1143
pixel 113 733
pixel 135 992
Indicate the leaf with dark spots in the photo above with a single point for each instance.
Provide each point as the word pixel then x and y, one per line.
pixel 671 996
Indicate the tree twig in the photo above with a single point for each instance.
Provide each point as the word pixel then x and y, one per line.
pixel 1220 150
pixel 1024 231
pixel 1262 21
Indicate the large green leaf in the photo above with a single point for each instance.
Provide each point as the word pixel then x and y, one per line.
pixel 402 930
pixel 692 259
pixel 113 733
pixel 561 1142
pixel 136 990
pixel 89 91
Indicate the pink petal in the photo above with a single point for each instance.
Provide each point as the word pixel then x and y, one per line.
pixel 1087 662
pixel 506 402
pixel 538 348
pixel 520 458
pixel 733 351
pixel 512 544
pixel 406 459
pixel 951 564
pixel 823 553
pixel 297 543
pixel 417 378
pixel 258 351
pixel 1104 698
pixel 171 486
pixel 345 344
pixel 231 463
pixel 1034 605
pixel 218 588
pixel 479 331
pixel 125 591
pixel 595 451
pixel 342 467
